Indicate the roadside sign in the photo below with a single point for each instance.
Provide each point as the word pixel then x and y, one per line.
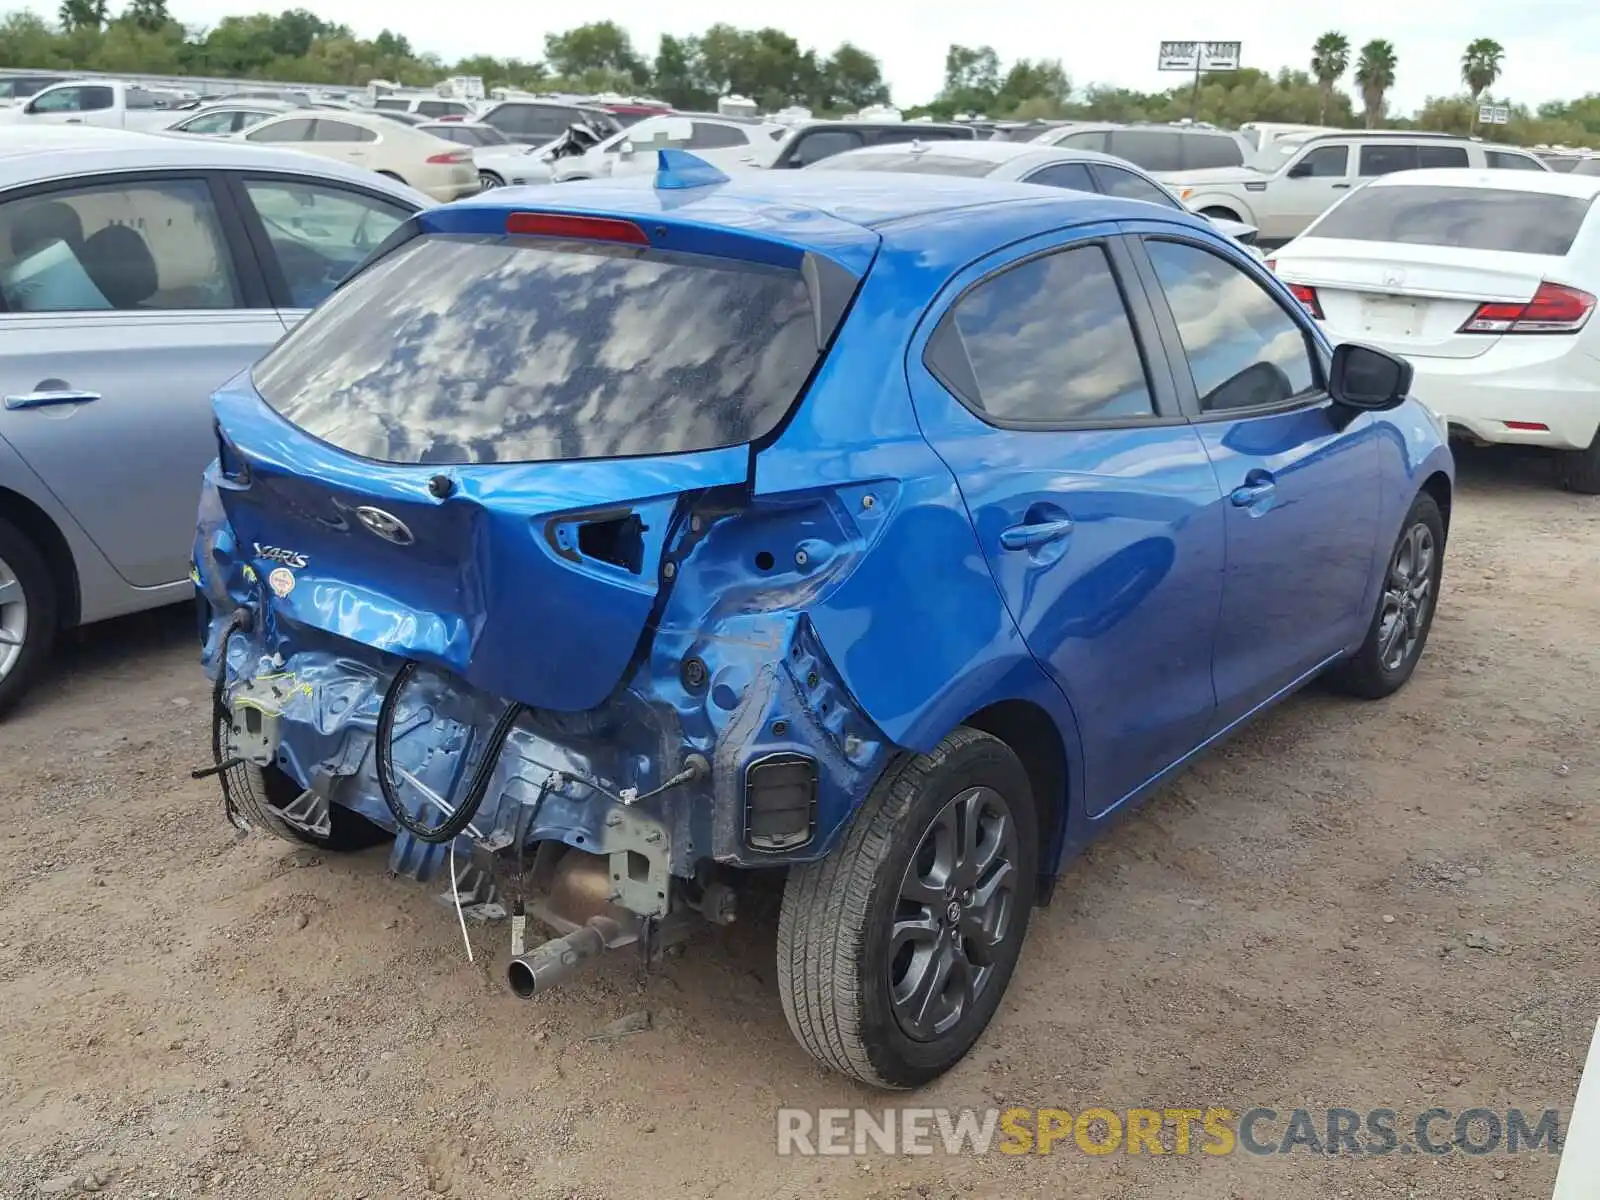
pixel 1494 114
pixel 1199 56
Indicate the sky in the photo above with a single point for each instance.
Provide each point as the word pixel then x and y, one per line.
pixel 1551 45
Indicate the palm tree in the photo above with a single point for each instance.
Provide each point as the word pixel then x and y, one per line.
pixel 1375 76
pixel 1480 67
pixel 1330 59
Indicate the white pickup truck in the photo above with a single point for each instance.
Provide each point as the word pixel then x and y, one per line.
pixel 104 103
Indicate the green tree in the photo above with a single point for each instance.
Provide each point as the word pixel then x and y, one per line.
pixel 1330 59
pixel 1042 87
pixel 598 46
pixel 679 75
pixel 971 78
pixel 1375 76
pixel 851 79
pixel 1480 67
pixel 83 14
pixel 149 15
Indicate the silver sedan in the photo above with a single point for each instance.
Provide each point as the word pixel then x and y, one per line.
pixel 1025 162
pixel 137 273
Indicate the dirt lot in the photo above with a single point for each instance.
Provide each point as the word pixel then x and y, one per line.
pixel 1384 905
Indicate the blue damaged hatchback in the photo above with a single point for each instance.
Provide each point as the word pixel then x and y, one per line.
pixel 611 544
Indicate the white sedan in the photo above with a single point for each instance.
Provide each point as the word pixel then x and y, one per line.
pixel 1486 282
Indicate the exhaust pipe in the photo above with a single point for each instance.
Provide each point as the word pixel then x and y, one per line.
pixel 545 966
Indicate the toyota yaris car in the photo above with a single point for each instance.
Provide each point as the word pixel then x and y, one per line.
pixel 610 545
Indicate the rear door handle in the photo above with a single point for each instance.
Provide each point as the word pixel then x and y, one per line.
pixel 1338 186
pixel 1252 493
pixel 46 399
pixel 1029 537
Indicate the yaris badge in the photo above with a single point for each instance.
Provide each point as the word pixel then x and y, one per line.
pixel 386 525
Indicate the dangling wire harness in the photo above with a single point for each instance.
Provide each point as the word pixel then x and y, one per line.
pixel 383 762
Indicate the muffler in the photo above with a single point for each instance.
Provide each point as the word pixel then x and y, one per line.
pixel 542 968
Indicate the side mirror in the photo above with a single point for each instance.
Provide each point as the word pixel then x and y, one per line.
pixel 1368 379
pixel 1299 170
pixel 625 148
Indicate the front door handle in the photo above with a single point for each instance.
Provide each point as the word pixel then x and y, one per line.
pixel 47 398
pixel 1340 186
pixel 1030 537
pixel 1252 493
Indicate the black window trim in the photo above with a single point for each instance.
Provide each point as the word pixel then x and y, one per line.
pixel 1164 396
pixel 1137 234
pixel 1172 202
pixel 264 257
pixel 254 293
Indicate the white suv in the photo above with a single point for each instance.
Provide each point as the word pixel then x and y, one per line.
pixel 723 141
pixel 1283 202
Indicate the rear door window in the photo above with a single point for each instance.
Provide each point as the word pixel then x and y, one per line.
pixel 1089 139
pixel 1207 151
pixel 341 131
pixel 1047 342
pixel 1385 158
pixel 1466 217
pixel 320 232
pixel 1152 149
pixel 708 135
pixel 1074 176
pixel 1441 156
pixel 297 130
pixel 1503 160
pixel 824 143
pixel 478 350
pixel 1114 181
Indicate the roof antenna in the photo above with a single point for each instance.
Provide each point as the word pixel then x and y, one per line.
pixel 680 169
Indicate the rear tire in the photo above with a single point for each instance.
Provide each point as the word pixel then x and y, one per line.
pixel 1580 469
pixel 273 789
pixel 488 181
pixel 1406 604
pixel 28 614
pixel 951 833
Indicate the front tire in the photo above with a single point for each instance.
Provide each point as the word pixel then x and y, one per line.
pixel 895 950
pixel 28 615
pixel 1580 469
pixel 1406 604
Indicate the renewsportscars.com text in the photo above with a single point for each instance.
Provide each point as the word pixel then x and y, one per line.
pixel 1212 1131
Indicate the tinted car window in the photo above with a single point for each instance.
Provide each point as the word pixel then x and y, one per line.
pixel 1088 140
pixel 342 131
pixel 1244 349
pixel 1585 166
pixel 319 232
pixel 142 246
pixel 217 123
pixel 438 108
pixel 1324 162
pixel 1114 181
pixel 1207 151
pixel 709 136
pixel 896 134
pixel 1384 158
pixel 298 129
pixel 1441 156
pixel 1471 218
pixel 1511 162
pixel 1064 175
pixel 1152 149
pixel 824 143
pixel 1563 163
pixel 465 350
pixel 1049 341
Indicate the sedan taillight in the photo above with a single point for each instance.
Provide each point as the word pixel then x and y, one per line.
pixel 454 156
pixel 1555 308
pixel 1307 297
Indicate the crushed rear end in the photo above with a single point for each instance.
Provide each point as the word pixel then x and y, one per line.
pixel 479 564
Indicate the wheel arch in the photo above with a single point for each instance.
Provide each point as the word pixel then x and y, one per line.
pixel 37 525
pixel 1439 487
pixel 1035 738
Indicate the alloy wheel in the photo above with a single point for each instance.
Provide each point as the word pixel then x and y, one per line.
pixel 13 618
pixel 1407 596
pixel 486 182
pixel 956 910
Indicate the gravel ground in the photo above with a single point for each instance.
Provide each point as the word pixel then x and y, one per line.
pixel 1357 905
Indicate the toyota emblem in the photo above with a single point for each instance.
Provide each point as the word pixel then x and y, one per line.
pixel 386 525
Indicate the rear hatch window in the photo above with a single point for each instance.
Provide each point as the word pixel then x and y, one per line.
pixel 913 164
pixel 1466 218
pixel 455 350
